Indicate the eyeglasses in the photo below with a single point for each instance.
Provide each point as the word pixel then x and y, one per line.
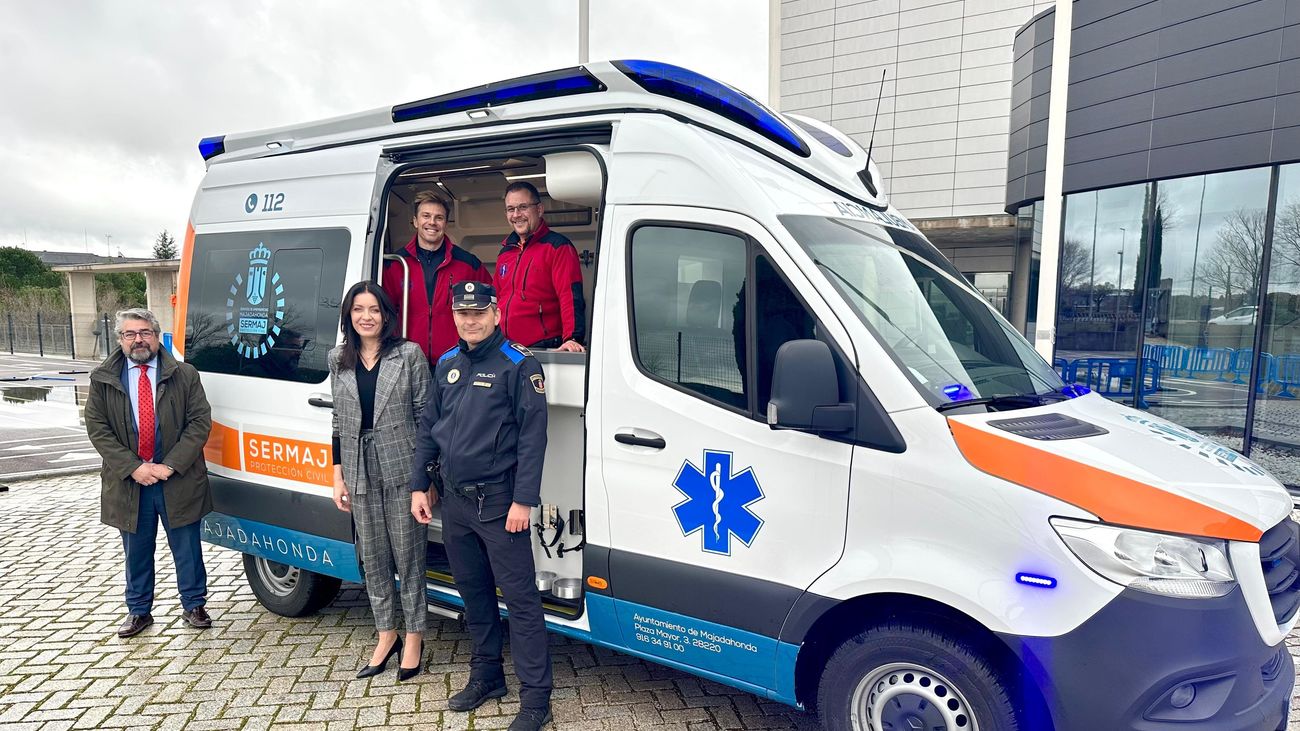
pixel 512 210
pixel 129 335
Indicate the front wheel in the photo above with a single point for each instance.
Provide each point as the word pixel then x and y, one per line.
pixel 288 590
pixel 904 676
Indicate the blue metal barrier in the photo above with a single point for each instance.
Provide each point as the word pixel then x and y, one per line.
pixel 1211 361
pixel 1286 373
pixel 1117 377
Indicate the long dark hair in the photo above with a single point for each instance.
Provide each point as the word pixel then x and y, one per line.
pixel 388 331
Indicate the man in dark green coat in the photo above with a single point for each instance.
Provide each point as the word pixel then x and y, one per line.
pixel 148 418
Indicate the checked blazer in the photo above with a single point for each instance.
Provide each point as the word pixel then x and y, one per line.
pixel 400 394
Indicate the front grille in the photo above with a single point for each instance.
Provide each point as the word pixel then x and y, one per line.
pixel 1279 553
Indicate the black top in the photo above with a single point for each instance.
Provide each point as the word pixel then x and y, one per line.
pixel 367 380
pixel 429 261
pixel 485 418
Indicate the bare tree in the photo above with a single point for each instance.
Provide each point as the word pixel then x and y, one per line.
pixel 1074 264
pixel 1234 264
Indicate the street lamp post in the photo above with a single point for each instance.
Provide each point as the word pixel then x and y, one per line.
pixel 1119 288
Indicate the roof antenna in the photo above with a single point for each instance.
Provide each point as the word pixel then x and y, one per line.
pixel 880 94
pixel 865 174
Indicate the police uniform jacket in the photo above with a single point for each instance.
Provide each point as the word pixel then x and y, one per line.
pixel 485 420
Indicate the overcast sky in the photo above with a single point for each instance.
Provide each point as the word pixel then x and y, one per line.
pixel 102 104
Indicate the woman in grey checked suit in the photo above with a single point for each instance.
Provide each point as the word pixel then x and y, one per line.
pixel 380 382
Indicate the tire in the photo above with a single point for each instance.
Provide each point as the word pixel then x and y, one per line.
pixel 287 590
pixel 904 676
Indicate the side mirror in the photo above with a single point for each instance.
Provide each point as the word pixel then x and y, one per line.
pixel 805 390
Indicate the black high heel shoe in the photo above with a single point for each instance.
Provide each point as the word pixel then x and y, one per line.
pixel 371 671
pixel 408 673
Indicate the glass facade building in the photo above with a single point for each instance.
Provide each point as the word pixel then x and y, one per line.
pixel 1178 288
pixel 1182 297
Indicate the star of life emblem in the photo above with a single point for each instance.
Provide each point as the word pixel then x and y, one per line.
pixel 718 502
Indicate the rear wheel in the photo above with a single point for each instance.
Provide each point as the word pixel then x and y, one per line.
pixel 288 590
pixel 904 676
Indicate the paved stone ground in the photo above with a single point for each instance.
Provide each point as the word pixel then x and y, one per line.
pixel 61 666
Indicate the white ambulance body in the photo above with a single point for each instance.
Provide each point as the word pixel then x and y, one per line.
pixel 802 457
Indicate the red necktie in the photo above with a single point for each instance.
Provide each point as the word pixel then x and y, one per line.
pixel 145 407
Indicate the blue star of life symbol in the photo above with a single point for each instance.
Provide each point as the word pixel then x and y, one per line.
pixel 717 502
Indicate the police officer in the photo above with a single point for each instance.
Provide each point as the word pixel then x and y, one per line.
pixel 485 426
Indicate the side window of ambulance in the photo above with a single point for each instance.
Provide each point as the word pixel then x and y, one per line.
pixel 782 318
pixel 686 285
pixel 265 304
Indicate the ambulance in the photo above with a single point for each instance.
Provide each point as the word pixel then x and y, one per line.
pixel 801 457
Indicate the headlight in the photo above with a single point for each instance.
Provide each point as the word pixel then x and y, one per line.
pixel 1158 563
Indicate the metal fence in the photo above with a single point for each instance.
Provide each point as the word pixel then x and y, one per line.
pixel 40 334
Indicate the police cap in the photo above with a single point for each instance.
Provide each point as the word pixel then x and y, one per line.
pixel 472 296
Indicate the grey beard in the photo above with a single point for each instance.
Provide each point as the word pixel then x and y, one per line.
pixel 145 355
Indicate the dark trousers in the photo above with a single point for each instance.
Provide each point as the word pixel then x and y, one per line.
pixel 187 553
pixel 483 557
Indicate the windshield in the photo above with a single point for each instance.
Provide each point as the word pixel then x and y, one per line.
pixel 947 338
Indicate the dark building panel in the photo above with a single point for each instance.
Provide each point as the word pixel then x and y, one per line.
pixel 1224 153
pixel 1239 86
pixel 1122 55
pixel 1215 123
pixel 1098 89
pixel 1108 143
pixel 1288 77
pixel 1030 98
pixel 1221 58
pixel 1245 19
pixel 1108 115
pixel 1291 42
pixel 1090 11
pixel 1286 146
pixel 1162 89
pixel 1117 27
pixel 1181 11
pixel 1107 172
pixel 1288 111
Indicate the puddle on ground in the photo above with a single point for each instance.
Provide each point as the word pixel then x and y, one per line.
pixel 42 406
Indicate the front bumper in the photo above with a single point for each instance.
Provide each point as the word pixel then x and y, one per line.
pixel 1128 667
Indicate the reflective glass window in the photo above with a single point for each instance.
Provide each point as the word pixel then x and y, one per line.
pixel 1207 250
pixel 1099 301
pixel 1275 441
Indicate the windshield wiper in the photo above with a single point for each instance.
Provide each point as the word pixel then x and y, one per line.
pixel 1016 400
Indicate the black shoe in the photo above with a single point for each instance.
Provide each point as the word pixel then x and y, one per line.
pixel 531 719
pixel 476 692
pixel 134 625
pixel 197 618
pixel 408 673
pixel 371 671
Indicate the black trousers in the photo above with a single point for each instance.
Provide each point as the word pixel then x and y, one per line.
pixel 483 557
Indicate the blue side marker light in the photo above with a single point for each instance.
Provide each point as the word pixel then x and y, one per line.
pixel 546 85
pixel 685 85
pixel 210 147
pixel 957 392
pixel 1042 582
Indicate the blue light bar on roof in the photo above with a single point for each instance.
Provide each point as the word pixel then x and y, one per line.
pixel 547 85
pixel 210 147
pixel 684 85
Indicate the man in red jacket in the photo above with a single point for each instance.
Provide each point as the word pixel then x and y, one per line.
pixel 538 278
pixel 435 264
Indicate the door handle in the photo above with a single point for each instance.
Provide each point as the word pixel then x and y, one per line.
pixel 320 401
pixel 655 442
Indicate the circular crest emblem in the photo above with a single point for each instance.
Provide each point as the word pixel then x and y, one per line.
pixel 469 286
pixel 453 375
pixel 255 306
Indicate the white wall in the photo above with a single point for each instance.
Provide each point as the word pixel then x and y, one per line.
pixel 941 137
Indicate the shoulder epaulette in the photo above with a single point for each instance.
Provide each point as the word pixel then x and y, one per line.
pixel 449 353
pixel 514 351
